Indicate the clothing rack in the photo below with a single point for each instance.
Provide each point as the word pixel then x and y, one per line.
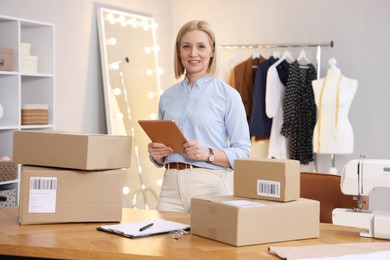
pixel 273 46
pixel 318 46
pixel 292 45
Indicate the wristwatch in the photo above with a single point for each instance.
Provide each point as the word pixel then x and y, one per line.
pixel 211 155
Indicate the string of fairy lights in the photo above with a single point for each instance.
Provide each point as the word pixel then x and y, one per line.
pixel 143 23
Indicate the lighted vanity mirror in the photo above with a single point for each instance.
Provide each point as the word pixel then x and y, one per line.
pixel 131 79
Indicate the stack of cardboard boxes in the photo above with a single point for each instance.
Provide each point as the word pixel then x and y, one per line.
pixel 70 177
pixel 266 206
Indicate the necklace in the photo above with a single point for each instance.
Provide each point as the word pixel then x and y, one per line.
pixel 320 109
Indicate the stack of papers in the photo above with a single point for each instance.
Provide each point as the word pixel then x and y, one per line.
pixel 144 228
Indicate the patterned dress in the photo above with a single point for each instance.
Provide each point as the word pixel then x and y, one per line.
pixel 299 110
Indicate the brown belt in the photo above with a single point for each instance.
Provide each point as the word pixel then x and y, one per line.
pixel 179 166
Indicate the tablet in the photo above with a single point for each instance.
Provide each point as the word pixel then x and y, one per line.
pixel 164 131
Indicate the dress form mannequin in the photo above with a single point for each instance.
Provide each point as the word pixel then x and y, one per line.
pixel 333 133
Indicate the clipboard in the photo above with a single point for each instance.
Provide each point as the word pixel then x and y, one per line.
pixel 164 131
pixel 134 229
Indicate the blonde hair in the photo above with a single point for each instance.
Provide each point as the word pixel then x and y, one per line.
pixel 202 26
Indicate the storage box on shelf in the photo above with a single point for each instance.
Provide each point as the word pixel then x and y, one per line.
pixel 25 49
pixel 6 59
pixel 29 62
pixel 35 114
pixel 8 196
pixel 8 171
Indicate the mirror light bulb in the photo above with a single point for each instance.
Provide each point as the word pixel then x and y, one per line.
pixel 115 66
pixel 122 21
pixel 117 91
pixel 111 18
pixel 133 22
pixel 149 72
pixel 111 41
pixel 126 190
pixel 150 94
pixel 119 116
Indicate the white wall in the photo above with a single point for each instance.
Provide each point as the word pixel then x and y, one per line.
pixel 358 28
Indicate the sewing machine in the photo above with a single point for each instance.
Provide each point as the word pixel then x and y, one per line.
pixel 366 177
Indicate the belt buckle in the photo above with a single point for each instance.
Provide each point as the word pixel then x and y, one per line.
pixel 178 166
pixel 182 166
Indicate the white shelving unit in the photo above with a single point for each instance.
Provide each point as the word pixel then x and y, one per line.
pixel 18 88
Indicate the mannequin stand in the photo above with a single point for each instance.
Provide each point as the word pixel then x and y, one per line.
pixel 333 169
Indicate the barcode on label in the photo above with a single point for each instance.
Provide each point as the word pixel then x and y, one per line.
pixel 43 183
pixel 268 188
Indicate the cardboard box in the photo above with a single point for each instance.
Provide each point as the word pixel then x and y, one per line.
pixel 268 179
pixel 52 195
pixel 6 59
pixel 71 150
pixel 240 221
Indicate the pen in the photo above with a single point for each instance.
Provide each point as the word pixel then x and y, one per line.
pixel 146 227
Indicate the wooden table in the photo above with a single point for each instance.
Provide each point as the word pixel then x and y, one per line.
pixel 83 241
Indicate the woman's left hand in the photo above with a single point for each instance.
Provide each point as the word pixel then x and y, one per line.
pixel 194 151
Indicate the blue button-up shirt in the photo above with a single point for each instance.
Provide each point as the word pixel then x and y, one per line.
pixel 211 112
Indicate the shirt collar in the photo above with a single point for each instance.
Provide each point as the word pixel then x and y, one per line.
pixel 198 83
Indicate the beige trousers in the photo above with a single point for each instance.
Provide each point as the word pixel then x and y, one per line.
pixel 180 186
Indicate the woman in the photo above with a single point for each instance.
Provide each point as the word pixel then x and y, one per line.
pixel 210 114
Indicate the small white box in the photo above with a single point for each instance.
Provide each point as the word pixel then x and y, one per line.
pixel 29 64
pixel 25 49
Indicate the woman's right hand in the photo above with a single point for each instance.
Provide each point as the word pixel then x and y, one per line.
pixel 158 151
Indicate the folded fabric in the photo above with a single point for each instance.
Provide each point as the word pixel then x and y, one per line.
pixel 334 251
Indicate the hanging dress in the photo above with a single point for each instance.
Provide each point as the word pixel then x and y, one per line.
pixel 260 123
pixel 275 89
pixel 299 112
pixel 242 78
